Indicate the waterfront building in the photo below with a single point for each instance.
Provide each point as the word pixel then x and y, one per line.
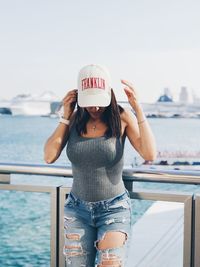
pixel 184 96
pixel 196 99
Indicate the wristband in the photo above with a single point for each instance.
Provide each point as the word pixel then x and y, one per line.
pixel 62 120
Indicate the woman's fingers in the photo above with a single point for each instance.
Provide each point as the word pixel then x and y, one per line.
pixel 71 93
pixel 130 93
pixel 129 89
pixel 127 84
pixel 69 100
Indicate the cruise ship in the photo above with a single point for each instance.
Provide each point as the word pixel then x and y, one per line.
pixel 48 103
pixel 26 104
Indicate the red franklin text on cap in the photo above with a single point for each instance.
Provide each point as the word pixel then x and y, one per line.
pixel 93 82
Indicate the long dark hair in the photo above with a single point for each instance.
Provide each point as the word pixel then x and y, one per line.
pixel 111 117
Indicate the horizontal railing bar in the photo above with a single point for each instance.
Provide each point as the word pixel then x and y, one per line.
pixel 134 174
pixel 160 195
pixel 36 169
pixel 29 188
pixel 176 179
pixel 159 172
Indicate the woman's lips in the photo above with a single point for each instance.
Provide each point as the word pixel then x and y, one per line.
pixel 95 113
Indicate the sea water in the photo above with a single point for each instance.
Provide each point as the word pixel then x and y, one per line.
pixel 25 216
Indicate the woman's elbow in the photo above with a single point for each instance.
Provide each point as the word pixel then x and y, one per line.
pixel 50 158
pixel 150 156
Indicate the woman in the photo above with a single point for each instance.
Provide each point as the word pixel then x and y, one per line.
pixel 98 209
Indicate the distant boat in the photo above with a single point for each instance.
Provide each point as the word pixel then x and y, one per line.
pixel 26 104
pixel 30 107
pixel 164 98
pixel 5 111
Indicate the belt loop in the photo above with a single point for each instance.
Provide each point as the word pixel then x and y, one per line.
pixel 88 205
pixel 128 193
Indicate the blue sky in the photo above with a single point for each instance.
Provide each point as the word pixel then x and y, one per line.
pixel 154 44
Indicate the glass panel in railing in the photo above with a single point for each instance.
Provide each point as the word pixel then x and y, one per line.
pixel 157 234
pixel 24 229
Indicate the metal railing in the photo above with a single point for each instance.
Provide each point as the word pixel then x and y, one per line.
pixel 53 191
pixel 191 202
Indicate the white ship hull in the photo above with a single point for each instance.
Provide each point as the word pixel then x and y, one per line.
pixel 34 108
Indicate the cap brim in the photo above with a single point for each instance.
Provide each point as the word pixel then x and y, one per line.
pixel 94 100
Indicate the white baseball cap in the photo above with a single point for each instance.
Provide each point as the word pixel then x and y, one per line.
pixel 94 86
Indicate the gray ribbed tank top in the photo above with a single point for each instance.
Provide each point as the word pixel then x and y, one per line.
pixel 97 165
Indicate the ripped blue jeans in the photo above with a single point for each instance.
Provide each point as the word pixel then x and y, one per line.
pixel 87 224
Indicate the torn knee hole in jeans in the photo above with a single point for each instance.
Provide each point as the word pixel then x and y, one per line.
pixel 73 245
pixel 111 240
pixel 73 236
pixel 73 250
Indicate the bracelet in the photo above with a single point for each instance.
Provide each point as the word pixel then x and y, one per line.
pixel 140 122
pixel 62 120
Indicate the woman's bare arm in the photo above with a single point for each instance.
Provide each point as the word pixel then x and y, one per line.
pixel 57 141
pixel 140 135
pixel 137 127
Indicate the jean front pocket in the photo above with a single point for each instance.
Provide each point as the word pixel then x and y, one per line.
pixel 123 204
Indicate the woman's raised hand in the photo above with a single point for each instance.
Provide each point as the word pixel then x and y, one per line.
pixel 131 94
pixel 69 103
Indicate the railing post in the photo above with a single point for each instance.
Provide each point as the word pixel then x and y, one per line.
pixel 188 232
pixel 193 231
pixel 197 232
pixel 55 227
pixel 62 197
